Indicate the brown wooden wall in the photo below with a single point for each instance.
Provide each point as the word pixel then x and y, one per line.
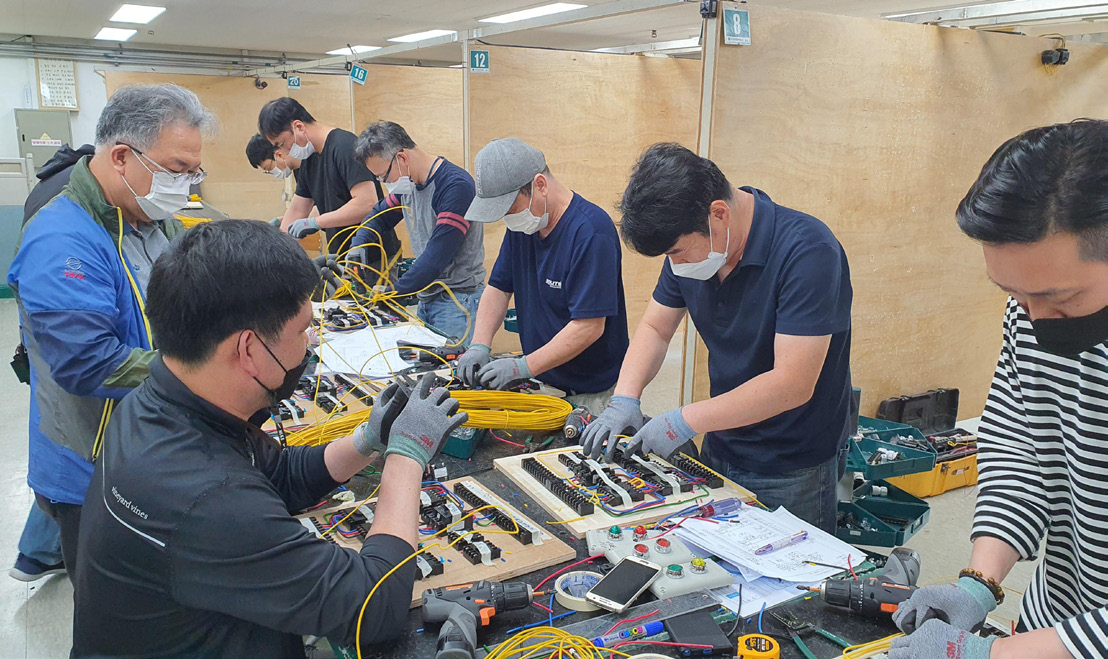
pixel 591 114
pixel 878 128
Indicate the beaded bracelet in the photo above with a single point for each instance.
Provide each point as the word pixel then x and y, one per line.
pixel 991 584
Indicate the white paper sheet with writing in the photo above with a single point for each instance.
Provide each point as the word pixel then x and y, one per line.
pixel 361 351
pixel 768 591
pixel 737 542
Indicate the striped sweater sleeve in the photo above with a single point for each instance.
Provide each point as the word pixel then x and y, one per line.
pixel 1011 500
pixel 1086 635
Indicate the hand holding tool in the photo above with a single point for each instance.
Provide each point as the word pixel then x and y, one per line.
pixel 463 607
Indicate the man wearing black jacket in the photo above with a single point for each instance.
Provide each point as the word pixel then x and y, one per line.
pixel 53 176
pixel 188 543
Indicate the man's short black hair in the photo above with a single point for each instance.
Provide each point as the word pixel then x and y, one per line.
pixel 220 278
pixel 277 116
pixel 259 150
pixel 1047 180
pixel 669 195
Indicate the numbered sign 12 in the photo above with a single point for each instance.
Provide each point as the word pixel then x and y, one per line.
pixel 478 61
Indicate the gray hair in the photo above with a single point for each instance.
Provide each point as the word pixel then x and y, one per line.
pixel 382 139
pixel 137 114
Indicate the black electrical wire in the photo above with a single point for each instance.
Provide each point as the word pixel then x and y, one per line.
pixel 738 614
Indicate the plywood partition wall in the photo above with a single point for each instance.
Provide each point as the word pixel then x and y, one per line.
pixel 591 114
pixel 879 128
pixel 233 185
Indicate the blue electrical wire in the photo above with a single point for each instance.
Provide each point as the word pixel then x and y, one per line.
pixel 760 618
pixel 541 622
pixel 447 490
pixel 551 607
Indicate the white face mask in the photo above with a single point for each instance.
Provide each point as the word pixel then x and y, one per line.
pixel 301 152
pixel 707 268
pixel 279 173
pixel 402 185
pixel 526 222
pixel 168 194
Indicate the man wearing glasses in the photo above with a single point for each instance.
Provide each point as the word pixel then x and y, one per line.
pixel 79 278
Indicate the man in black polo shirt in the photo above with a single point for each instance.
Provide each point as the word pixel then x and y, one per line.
pixel 769 290
pixel 330 177
pixel 188 544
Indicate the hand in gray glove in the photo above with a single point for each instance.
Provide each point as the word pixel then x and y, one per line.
pixel 303 228
pixel 503 373
pixel 471 361
pixel 623 416
pixel 661 436
pixel 964 604
pixel 936 638
pixel 358 255
pixel 372 436
pixel 427 420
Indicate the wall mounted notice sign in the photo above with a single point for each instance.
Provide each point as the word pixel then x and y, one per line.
pixel 478 61
pixel 358 74
pixel 736 27
pixel 294 82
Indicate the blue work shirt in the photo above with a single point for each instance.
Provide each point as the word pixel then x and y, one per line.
pixel 793 279
pixel 575 272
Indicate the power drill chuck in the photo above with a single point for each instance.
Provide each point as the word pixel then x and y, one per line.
pixel 576 422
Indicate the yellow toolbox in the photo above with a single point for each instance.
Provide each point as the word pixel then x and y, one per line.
pixel 945 476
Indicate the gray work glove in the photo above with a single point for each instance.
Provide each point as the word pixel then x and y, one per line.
pixel 623 416
pixel 303 228
pixel 358 255
pixel 427 420
pixel 372 436
pixel 470 362
pixel 275 222
pixel 936 638
pixel 503 373
pixel 661 436
pixel 964 604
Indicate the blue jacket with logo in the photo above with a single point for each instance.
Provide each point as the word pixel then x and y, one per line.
pixel 83 327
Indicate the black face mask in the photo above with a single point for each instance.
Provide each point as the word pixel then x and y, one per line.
pixel 1069 337
pixel 292 376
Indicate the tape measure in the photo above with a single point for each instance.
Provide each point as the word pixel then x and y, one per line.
pixel 757 646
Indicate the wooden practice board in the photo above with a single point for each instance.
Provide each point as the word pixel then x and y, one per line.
pixel 514 471
pixel 516 559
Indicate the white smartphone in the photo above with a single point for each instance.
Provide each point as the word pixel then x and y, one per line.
pixel 624 584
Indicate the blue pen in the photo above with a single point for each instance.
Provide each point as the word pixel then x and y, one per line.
pixel 638 631
pixel 782 542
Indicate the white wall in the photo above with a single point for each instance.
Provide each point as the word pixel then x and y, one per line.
pixel 17 91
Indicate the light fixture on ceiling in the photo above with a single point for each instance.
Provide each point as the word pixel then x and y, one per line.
pixel 534 12
pixel 1008 13
pixel 136 14
pixel 114 34
pixel 357 49
pixel 420 36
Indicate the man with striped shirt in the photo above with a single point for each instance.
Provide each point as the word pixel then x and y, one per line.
pixel 1040 210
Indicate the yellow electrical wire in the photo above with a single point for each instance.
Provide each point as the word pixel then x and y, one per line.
pixel 546 640
pixel 352 511
pixel 190 222
pixel 863 650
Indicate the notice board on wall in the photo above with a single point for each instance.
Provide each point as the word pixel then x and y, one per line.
pixel 57 84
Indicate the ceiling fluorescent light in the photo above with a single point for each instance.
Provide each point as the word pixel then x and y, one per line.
pixel 357 49
pixel 420 36
pixel 534 12
pixel 136 14
pixel 979 10
pixel 114 34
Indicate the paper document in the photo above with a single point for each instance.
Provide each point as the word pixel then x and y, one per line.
pixel 770 592
pixel 372 351
pixel 737 542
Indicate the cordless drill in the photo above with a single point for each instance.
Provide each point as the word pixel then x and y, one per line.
pixel 876 596
pixel 576 422
pixel 460 607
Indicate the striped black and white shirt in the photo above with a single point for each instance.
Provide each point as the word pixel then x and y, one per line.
pixel 1044 473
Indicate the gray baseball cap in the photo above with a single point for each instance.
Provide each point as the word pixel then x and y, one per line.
pixel 501 168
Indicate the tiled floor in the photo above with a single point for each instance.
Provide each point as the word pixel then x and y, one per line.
pixel 35 619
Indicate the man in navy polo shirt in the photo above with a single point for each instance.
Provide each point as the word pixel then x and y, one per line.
pixel 561 260
pixel 769 290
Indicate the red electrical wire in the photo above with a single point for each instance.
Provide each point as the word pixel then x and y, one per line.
pixel 543 607
pixel 645 615
pixel 590 558
pixel 506 441
pixel 852 572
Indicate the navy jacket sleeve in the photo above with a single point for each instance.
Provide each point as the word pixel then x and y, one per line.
pixel 814 295
pixel 299 473
pixel 68 293
pixel 450 201
pixel 668 292
pixel 255 562
pixel 593 280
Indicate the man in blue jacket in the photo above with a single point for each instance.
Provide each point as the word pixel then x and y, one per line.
pixel 79 278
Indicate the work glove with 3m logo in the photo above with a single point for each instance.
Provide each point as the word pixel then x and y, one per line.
pixel 662 435
pixel 427 420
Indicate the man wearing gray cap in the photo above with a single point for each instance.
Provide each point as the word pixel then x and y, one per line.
pixel 561 260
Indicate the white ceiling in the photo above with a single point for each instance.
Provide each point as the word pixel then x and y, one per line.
pixel 312 28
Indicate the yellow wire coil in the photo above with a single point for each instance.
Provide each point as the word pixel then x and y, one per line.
pixel 190 222
pixel 487 409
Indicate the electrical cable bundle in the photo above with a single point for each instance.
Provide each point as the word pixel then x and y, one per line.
pixel 190 222
pixel 487 409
